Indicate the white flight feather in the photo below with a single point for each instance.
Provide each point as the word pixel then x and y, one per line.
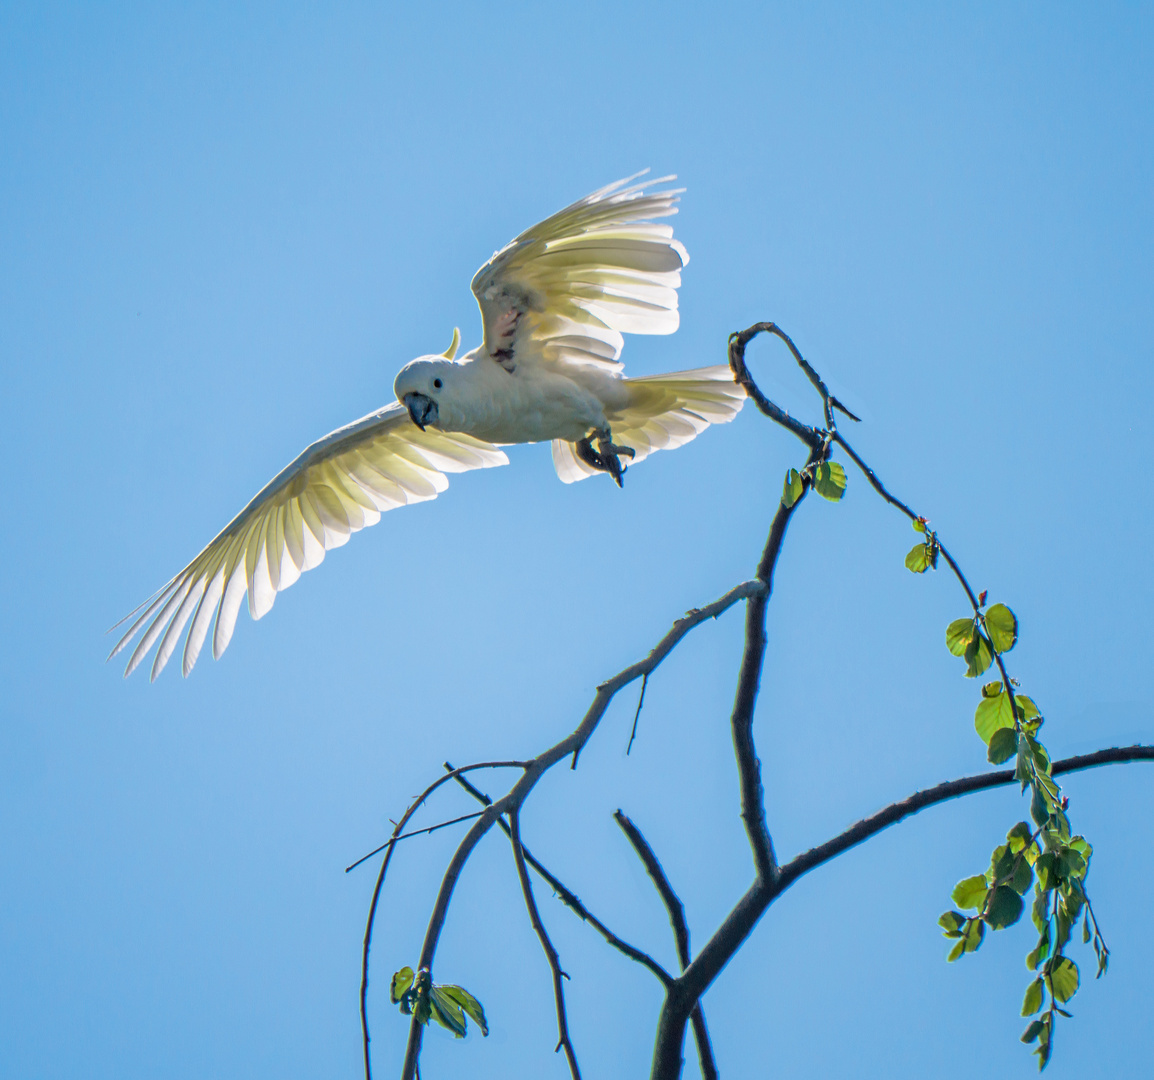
pixel 337 486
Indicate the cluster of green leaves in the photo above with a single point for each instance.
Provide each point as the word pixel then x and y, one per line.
pixel 1048 857
pixel 827 478
pixel 419 996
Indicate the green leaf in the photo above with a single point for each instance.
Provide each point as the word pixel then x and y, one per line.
pixel 1002 625
pixel 470 1005
pixel 959 634
pixel 1063 978
pixel 1023 877
pixel 993 714
pixel 919 558
pixel 1001 863
pixel 1039 754
pixel 829 480
pixel 1041 913
pixel 992 689
pixel 447 1012
pixel 974 934
pixel 1027 710
pixel 1033 1031
pixel 979 656
pixel 957 951
pixel 794 488
pixel 1081 845
pixel 402 980
pixel 1033 999
pixel 1005 908
pixel 952 922
pixel 1071 864
pixel 1003 745
pixel 1085 927
pixel 919 525
pixel 970 892
pixel 1039 810
pixel 1019 836
pixel 1045 1047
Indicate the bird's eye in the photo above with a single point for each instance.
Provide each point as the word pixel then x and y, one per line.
pixel 437 384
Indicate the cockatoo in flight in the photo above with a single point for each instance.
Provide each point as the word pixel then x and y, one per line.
pixel 554 304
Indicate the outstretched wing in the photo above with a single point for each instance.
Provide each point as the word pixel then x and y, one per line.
pixel 339 485
pixel 578 280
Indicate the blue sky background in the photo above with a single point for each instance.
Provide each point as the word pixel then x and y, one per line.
pixel 225 227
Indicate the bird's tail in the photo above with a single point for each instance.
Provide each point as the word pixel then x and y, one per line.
pixel 664 411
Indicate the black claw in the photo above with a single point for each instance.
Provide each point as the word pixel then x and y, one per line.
pixel 605 457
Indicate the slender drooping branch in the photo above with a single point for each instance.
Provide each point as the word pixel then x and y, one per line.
pixel 537 768
pixel 570 899
pixel 550 950
pixel 737 346
pixel 390 846
pixel 676 912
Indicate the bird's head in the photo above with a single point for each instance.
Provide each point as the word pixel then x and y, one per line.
pixel 422 384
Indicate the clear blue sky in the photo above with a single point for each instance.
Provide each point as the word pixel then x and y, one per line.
pixel 223 228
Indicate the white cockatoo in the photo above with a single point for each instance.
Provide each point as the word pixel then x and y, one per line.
pixel 554 303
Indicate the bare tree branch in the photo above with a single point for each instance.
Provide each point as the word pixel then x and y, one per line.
pixel 563 1040
pixel 748 685
pixel 676 910
pixel 536 768
pixel 571 900
pixel 812 437
pixel 637 714
pixel 413 832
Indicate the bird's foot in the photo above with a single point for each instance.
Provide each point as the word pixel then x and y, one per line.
pixel 606 457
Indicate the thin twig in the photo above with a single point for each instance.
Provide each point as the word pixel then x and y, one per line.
pixel 637 714
pixel 415 832
pixel 570 899
pixel 656 872
pixel 880 488
pixel 676 912
pixel 535 769
pixel 563 1040
pixel 737 342
pixel 391 846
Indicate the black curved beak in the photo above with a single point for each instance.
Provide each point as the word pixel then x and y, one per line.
pixel 422 409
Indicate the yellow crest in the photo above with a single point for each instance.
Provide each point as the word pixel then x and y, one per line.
pixel 451 352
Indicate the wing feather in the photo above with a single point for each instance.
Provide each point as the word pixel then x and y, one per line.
pixel 577 281
pixel 337 486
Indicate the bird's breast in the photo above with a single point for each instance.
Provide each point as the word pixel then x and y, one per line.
pixel 529 405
